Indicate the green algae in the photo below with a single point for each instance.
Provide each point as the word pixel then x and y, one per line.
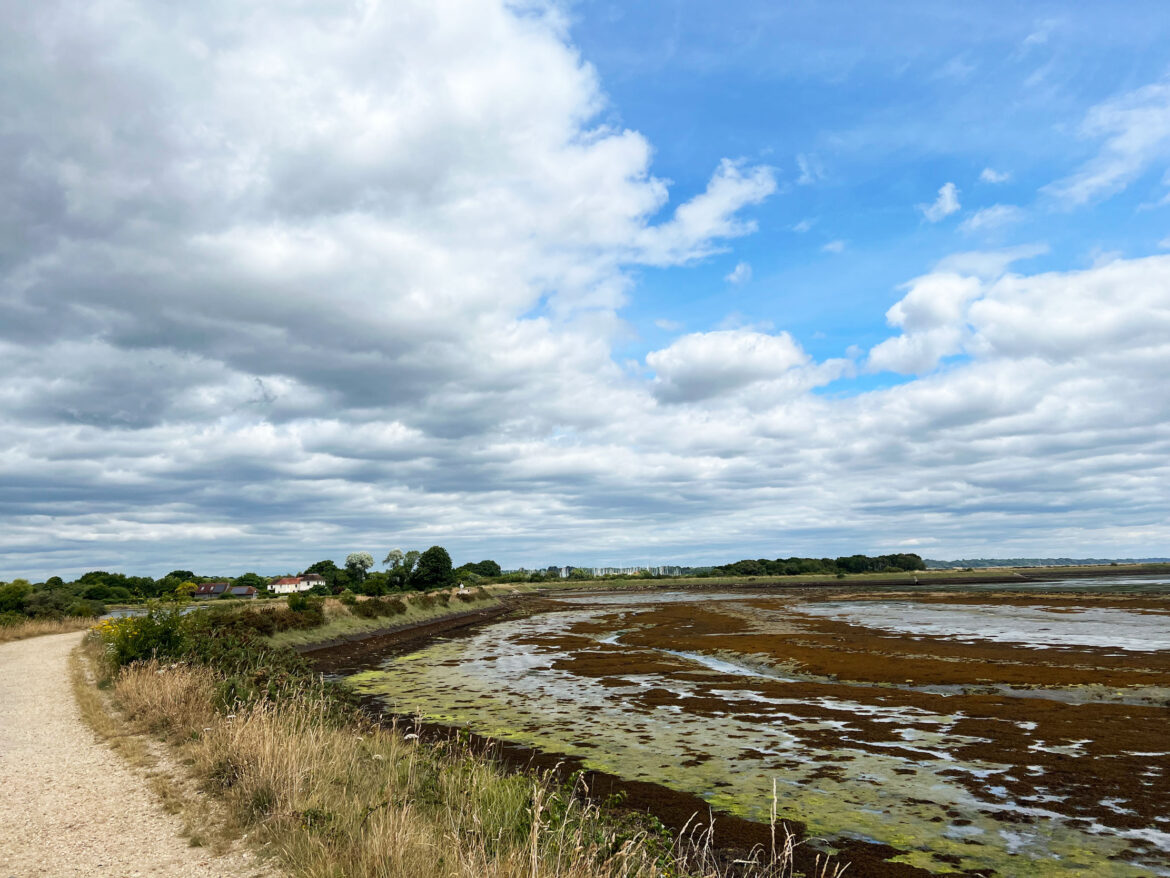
pixel 498 684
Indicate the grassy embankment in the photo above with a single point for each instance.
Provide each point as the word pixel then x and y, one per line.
pixel 37 627
pixel 349 620
pixel 294 767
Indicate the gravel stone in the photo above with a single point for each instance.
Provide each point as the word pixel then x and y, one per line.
pixel 69 805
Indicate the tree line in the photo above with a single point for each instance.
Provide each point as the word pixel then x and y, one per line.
pixel 823 566
pixel 411 570
pixel 405 571
pixel 90 593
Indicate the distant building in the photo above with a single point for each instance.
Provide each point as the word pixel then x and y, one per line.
pixel 292 584
pixel 564 572
pixel 209 590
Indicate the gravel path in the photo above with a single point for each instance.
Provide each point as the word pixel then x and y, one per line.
pixel 68 804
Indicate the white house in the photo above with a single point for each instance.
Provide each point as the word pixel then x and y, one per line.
pixel 290 584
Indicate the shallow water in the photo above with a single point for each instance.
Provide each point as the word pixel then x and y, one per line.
pixel 978 782
pixel 1087 626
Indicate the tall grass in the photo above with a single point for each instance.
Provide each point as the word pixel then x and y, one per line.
pixel 38 627
pixel 330 794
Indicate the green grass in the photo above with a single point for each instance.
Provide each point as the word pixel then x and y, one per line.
pixel 340 622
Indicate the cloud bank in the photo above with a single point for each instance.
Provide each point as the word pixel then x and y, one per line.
pixel 275 286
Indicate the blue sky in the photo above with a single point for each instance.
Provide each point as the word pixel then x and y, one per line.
pixel 584 283
pixel 885 104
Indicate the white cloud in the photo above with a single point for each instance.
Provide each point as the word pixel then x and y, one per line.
pixel 267 286
pixel 742 273
pixel 1058 316
pixel 1135 130
pixel 707 217
pixel 990 175
pixel 811 169
pixel 989 218
pixel 1099 256
pixel 931 319
pixel 668 325
pixel 837 246
pixel 1164 244
pixel 1039 36
pixel 707 364
pixel 804 225
pixel 946 203
pixel 988 264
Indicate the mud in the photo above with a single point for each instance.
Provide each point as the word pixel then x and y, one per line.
pixel 906 752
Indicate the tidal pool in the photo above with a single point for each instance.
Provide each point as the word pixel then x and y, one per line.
pixel 892 721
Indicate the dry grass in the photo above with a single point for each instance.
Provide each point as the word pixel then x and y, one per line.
pixel 38 627
pixel 203 825
pixel 95 709
pixel 330 796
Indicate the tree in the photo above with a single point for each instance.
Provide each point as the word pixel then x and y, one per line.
pixel 185 589
pixel 13 596
pixel 375 584
pixel 181 575
pixel 401 566
pixel 326 568
pixel 433 569
pixel 335 578
pixel 357 563
pixel 410 559
pixel 253 579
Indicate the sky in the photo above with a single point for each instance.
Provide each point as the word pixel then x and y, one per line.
pixel 581 283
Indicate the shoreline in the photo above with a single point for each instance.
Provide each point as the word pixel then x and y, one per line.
pixel 677 810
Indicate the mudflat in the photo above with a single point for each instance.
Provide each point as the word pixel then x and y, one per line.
pixel 1014 733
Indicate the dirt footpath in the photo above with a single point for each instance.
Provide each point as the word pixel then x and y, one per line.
pixel 68 804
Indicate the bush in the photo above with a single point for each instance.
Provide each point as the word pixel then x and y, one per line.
pixel 86 609
pixel 298 601
pixel 348 598
pixel 157 634
pixel 377 607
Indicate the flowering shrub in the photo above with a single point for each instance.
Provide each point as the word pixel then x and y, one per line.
pixel 157 634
